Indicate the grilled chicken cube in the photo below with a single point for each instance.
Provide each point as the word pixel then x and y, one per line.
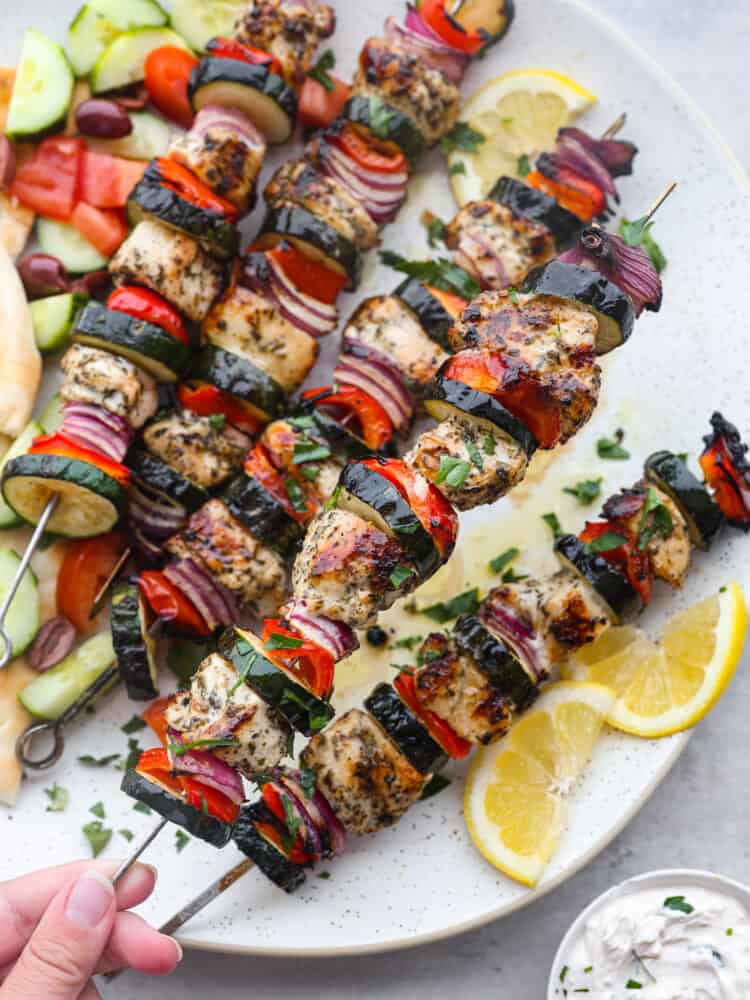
pixel 344 569
pixel 552 338
pixel 386 324
pixel 110 381
pixel 453 686
pixel 668 546
pixel 247 323
pixel 365 777
pixel 496 246
pixel 219 706
pixel 252 572
pixel 301 184
pixel 494 462
pixel 285 445
pixel 389 71
pixel 288 30
pixel 170 263
pixel 196 448
pixel 224 158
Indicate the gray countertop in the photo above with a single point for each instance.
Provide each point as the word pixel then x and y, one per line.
pixel 699 816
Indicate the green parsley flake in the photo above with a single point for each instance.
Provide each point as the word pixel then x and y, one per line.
pixel 126 834
pixel 98 810
pixel 399 576
pixel 586 491
pixel 452 471
pixel 445 611
pixel 181 840
pixel 678 903
pixel 295 495
pixel 381 117
pixel 97 835
pixel 523 166
pixel 309 451
pixel 456 168
pixel 638 233
pixel 474 453
pixel 633 984
pixel 553 523
pixel 441 273
pixel 88 761
pixel 462 136
pixel 612 448
pixel 607 542
pixel 278 641
pixel 59 798
pixel 489 445
pixel 217 421
pixel 141 807
pixel 133 725
pixel 513 296
pixel 498 564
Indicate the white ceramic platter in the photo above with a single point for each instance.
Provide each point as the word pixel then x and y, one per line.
pixel 423 879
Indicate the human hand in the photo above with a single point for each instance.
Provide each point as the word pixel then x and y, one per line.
pixel 60 926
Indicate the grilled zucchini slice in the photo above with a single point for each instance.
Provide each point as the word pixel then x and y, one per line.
pixel 535 206
pixel 279 869
pixel 393 126
pixel 433 317
pixel 163 479
pixel 199 824
pixel 702 514
pixel 611 586
pixel 502 668
pixel 261 512
pixel 134 647
pixel 240 377
pixel 405 729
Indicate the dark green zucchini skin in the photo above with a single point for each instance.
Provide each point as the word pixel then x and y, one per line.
pixel 405 729
pixel 446 394
pixel 610 585
pixel 502 668
pixel 292 222
pixel 214 69
pixel 376 492
pixel 197 823
pixel 261 512
pixel 612 307
pixel 304 712
pixel 133 650
pixel 537 207
pixel 241 378
pixel 163 478
pixel 400 130
pixel 341 441
pixel 433 317
pixel 145 343
pixel 151 197
pixel 703 515
pixel 280 870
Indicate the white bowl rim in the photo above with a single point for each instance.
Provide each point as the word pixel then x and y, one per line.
pixel 668 877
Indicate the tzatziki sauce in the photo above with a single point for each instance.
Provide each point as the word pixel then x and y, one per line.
pixel 661 944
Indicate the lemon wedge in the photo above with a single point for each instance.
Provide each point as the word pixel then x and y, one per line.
pixel 515 802
pixel 519 114
pixel 668 687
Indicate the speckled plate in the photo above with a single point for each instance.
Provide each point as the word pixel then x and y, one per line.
pixel 423 880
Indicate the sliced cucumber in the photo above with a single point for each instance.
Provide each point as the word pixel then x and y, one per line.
pixel 52 415
pixel 51 694
pixel 149 138
pixel 22 619
pixel 122 62
pixel 43 87
pixel 53 318
pixel 101 21
pixel 60 240
pixel 8 517
pixel 198 21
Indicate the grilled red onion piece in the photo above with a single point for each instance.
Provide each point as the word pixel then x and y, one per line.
pixel 207 768
pixel 215 116
pixel 373 372
pixel 335 827
pixel 381 195
pixel 315 318
pixel 504 625
pixel 212 600
pixel 576 157
pixel 429 50
pixel 630 268
pixel 53 641
pixel 617 155
pixel 335 636
pixel 94 427
pixel 157 518
pixel 151 552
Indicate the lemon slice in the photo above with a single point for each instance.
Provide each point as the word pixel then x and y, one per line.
pixel 515 801
pixel 666 688
pixel 519 114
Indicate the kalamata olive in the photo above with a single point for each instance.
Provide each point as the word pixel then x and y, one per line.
pixel 95 283
pixel 7 162
pixel 102 119
pixel 42 275
pixel 53 642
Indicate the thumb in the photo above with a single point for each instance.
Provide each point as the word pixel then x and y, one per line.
pixel 61 955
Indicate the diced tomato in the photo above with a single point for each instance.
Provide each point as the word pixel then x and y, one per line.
pixel 373 423
pixel 320 107
pixel 443 734
pixel 86 567
pixel 435 16
pixel 259 466
pixel 155 716
pixel 433 510
pixel 167 72
pixel 59 444
pixel 206 400
pixel 310 277
pixel 48 183
pixel 106 181
pixel 209 800
pixel 169 603
pixel 634 563
pixel 453 304
pixel 310 665
pixel 380 157
pixel 104 228
pixel 229 48
pixel 512 385
pixel 730 489
pixel 575 193
pixel 150 307
pixel 184 183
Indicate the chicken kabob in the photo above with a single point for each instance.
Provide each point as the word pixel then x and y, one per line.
pixel 370 765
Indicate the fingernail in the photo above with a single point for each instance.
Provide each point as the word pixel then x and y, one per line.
pixel 153 870
pixel 89 900
pixel 178 946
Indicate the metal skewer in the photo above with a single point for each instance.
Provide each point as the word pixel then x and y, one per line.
pixel 128 863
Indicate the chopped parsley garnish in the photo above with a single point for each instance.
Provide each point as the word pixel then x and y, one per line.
pixel 436 784
pixel 510 576
pixel 462 136
pixel 678 903
pixel 243 675
pixel 97 835
pixel 306 781
pixel 434 226
pixel 399 576
pixel 553 523
pixel 320 70
pixel 180 749
pixel 401 668
pixel 683 456
pixel 59 798
pixel 306 450
pixel 134 725
pixel 278 641
pixel 204 805
pixel 134 752
pixel 310 472
pixel 293 823
pixel 638 233
pixel 126 834
pixel 729 932
pixel 633 984
pixel 586 491
pixel 324 875
pixel 408 642
pixel 498 564
pixel 88 761
pixel 181 840
pixel 381 117
pixel 612 447
pixel 141 807
pixel 563 973
pixel 303 422
pixel 489 445
pixel 456 168
pixel 523 166
pixel 513 295
pixel 98 810
pixel 445 611
pixel 655 519
pixel 295 495
pixel 474 453
pixel 605 543
pixel 441 273
pixel 217 421
pixel 333 499
pixel 452 471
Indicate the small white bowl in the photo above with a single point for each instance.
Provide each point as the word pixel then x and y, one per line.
pixel 669 878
